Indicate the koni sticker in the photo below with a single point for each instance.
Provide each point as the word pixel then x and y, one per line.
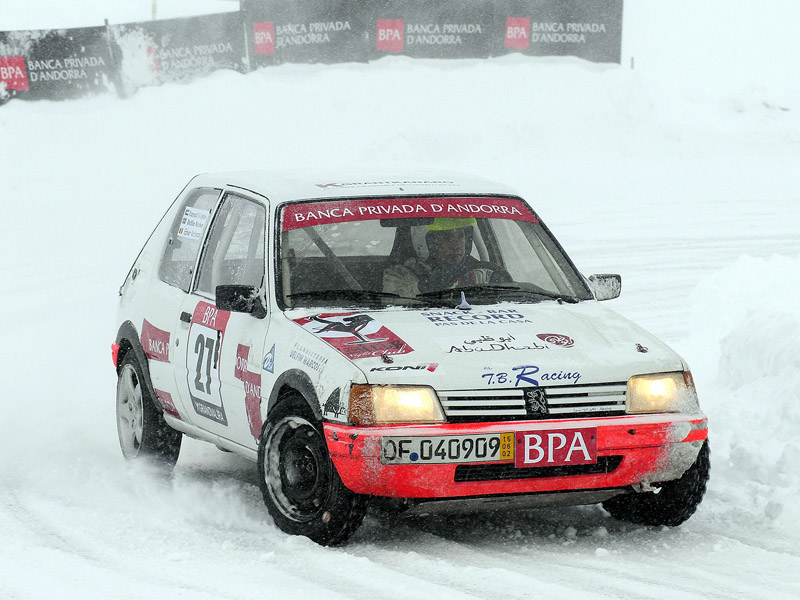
pixel 206 333
pixel 155 342
pixel 307 214
pixel 355 335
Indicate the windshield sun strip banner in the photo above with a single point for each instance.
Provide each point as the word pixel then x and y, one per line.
pixel 308 214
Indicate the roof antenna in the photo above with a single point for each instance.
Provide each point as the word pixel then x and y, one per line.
pixel 464 304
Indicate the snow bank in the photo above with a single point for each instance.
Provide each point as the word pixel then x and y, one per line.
pixel 745 350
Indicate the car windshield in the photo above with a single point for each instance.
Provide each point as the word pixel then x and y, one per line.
pixel 420 252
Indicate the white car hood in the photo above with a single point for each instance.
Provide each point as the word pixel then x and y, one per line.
pixel 449 349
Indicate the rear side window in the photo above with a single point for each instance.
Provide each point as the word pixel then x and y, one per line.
pixel 185 237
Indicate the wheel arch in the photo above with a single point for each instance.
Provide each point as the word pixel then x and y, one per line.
pixel 129 341
pixel 295 380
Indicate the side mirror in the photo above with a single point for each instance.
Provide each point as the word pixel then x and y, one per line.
pixel 606 287
pixel 240 298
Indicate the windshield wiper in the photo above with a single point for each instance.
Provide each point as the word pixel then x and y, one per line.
pixel 515 289
pixel 351 294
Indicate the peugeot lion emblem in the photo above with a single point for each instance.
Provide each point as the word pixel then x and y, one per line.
pixel 536 402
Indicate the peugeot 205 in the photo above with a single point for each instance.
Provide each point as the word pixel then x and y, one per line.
pixel 425 340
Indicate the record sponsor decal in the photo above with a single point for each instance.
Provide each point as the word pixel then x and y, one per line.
pixel 355 335
pixel 155 342
pixel 491 316
pixel 307 214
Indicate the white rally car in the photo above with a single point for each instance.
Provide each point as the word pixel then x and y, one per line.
pixel 420 339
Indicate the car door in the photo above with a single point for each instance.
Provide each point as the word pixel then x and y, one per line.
pixel 169 290
pixel 220 377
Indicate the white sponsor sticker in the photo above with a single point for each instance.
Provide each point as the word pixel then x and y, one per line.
pixel 193 223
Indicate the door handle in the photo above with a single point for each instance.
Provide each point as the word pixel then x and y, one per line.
pixel 186 317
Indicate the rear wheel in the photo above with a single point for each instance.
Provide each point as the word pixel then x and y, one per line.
pixel 141 427
pixel 672 504
pixel 300 485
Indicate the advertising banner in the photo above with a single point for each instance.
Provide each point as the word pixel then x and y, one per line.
pixel 420 29
pixel 588 29
pixel 55 64
pixel 158 52
pixel 314 31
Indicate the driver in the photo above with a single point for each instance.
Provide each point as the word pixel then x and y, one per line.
pixel 448 265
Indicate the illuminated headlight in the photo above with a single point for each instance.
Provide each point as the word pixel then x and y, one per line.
pixel 662 392
pixel 383 404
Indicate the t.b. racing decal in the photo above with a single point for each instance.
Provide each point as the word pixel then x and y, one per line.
pixel 155 342
pixel 355 335
pixel 529 375
pixel 252 389
pixel 206 332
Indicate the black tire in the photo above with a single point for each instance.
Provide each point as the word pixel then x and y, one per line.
pixel 302 490
pixel 675 501
pixel 141 428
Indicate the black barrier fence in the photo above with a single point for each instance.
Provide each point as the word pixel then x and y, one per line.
pixel 69 63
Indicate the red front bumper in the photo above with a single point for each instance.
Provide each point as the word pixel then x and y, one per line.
pixel 650 448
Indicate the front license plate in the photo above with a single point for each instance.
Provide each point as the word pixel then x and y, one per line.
pixel 443 449
pixel 556 447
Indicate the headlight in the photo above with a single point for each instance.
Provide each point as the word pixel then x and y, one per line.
pixel 383 404
pixel 662 392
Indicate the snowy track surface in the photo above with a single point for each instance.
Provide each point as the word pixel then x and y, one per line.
pixel 682 175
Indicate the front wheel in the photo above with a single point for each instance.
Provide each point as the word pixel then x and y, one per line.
pixel 300 485
pixel 672 504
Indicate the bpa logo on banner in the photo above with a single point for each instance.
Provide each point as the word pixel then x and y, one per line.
pixel 264 37
pixel 390 35
pixel 518 33
pixel 13 73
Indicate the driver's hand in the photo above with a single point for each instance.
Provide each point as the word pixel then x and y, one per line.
pixel 441 278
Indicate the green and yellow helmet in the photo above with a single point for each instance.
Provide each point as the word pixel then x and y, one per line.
pixel 447 223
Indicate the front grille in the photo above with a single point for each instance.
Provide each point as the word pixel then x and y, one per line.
pixel 464 473
pixel 592 400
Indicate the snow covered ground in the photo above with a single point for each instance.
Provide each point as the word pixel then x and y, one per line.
pixel 682 174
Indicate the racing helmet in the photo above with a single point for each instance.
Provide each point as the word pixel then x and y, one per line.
pixel 448 224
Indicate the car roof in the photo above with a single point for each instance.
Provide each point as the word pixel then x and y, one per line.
pixel 289 185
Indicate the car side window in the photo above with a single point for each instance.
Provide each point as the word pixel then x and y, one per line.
pixel 185 237
pixel 234 254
